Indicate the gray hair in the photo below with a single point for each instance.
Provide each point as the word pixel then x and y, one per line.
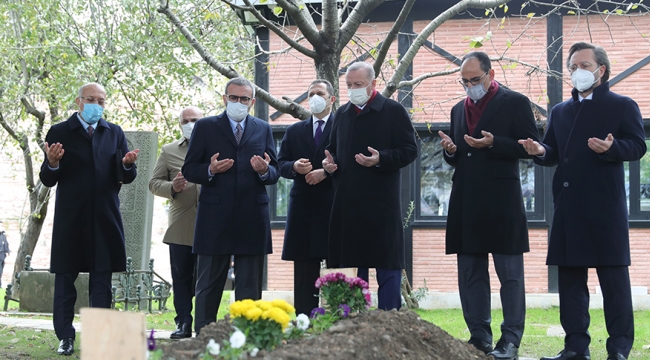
pixel 599 53
pixel 328 85
pixel 180 115
pixel 81 89
pixel 241 82
pixel 362 65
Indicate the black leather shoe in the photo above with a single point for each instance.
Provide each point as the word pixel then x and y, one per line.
pixel 182 331
pixel 567 355
pixel 505 350
pixel 66 347
pixel 481 345
pixel 615 356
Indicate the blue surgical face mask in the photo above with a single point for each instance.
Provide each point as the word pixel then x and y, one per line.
pixel 92 113
pixel 476 92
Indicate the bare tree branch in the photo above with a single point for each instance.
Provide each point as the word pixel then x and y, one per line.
pixel 194 42
pixel 423 77
pixel 407 58
pixel 392 34
pixel 303 20
pixel 330 22
pixel 281 34
pixel 351 24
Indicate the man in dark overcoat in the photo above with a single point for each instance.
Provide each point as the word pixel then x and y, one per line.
pixel 232 157
pixel 486 209
pixel 372 139
pixel 589 137
pixel 168 181
pixel 310 200
pixel 87 157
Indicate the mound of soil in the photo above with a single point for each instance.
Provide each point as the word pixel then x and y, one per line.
pixel 372 335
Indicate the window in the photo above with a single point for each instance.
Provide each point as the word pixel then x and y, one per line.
pixel 279 193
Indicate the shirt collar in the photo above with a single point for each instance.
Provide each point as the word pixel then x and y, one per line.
pixel 85 124
pixel 589 97
pixel 233 123
pixel 325 118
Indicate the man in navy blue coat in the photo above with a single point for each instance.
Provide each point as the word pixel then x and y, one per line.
pixel 301 155
pixel 589 137
pixel 89 160
pixel 232 155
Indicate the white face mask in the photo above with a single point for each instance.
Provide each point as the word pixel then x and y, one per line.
pixel 476 92
pixel 317 104
pixel 236 111
pixel 583 79
pixel 187 129
pixel 359 96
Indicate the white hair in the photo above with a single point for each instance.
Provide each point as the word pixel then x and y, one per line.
pixel 81 89
pixel 359 65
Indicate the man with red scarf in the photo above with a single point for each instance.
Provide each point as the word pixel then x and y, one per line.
pixel 486 209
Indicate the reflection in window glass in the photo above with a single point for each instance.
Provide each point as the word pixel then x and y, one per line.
pixel 435 178
pixel 282 190
pixel 644 197
pixel 527 176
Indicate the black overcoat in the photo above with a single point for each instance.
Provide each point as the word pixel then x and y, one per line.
pixel 590 221
pixel 87 233
pixel 233 213
pixel 486 210
pixel 366 222
pixel 308 218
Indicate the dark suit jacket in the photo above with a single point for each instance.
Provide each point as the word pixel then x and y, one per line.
pixel 366 222
pixel 87 234
pixel 233 214
pixel 308 219
pixel 590 222
pixel 486 210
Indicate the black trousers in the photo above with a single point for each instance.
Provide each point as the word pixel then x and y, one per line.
pixel 212 271
pixel 476 297
pixel 65 296
pixel 389 293
pixel 617 305
pixel 305 294
pixel 183 266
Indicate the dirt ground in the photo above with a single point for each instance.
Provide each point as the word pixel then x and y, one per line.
pixel 372 335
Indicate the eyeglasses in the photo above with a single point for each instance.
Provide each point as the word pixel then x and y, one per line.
pixel 242 99
pixel 92 100
pixel 583 65
pixel 474 81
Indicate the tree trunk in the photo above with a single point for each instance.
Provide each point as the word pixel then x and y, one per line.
pixel 39 199
pixel 327 67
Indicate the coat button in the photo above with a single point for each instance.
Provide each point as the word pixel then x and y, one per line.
pixel 566 184
pixel 566 160
pixel 469 154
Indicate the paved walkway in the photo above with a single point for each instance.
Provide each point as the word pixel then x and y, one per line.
pixel 23 320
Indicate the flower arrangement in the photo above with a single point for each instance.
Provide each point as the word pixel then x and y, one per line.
pixel 337 289
pixel 341 296
pixel 262 321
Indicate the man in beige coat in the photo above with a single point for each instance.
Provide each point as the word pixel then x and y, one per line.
pixel 168 182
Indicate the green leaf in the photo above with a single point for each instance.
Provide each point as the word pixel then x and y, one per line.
pixel 619 12
pixel 277 11
pixel 530 15
pixel 508 43
pixel 571 12
pixel 505 9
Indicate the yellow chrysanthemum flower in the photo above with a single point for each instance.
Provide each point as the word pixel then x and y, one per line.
pixel 263 304
pixel 253 313
pixel 279 303
pixel 240 307
pixel 278 315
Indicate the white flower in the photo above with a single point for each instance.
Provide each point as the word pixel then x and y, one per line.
pixel 302 322
pixel 254 352
pixel 288 328
pixel 213 348
pixel 237 339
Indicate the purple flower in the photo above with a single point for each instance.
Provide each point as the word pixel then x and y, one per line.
pixel 346 309
pixel 151 342
pixel 316 312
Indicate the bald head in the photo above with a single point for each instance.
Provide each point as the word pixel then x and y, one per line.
pixel 189 114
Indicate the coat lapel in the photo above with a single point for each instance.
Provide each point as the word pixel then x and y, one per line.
pixel 224 126
pixel 309 134
pixel 326 133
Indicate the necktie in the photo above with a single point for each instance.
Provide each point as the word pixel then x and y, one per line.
pixel 90 131
pixel 319 132
pixel 238 133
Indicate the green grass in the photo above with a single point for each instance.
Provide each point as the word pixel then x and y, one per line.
pixel 535 342
pixel 18 343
